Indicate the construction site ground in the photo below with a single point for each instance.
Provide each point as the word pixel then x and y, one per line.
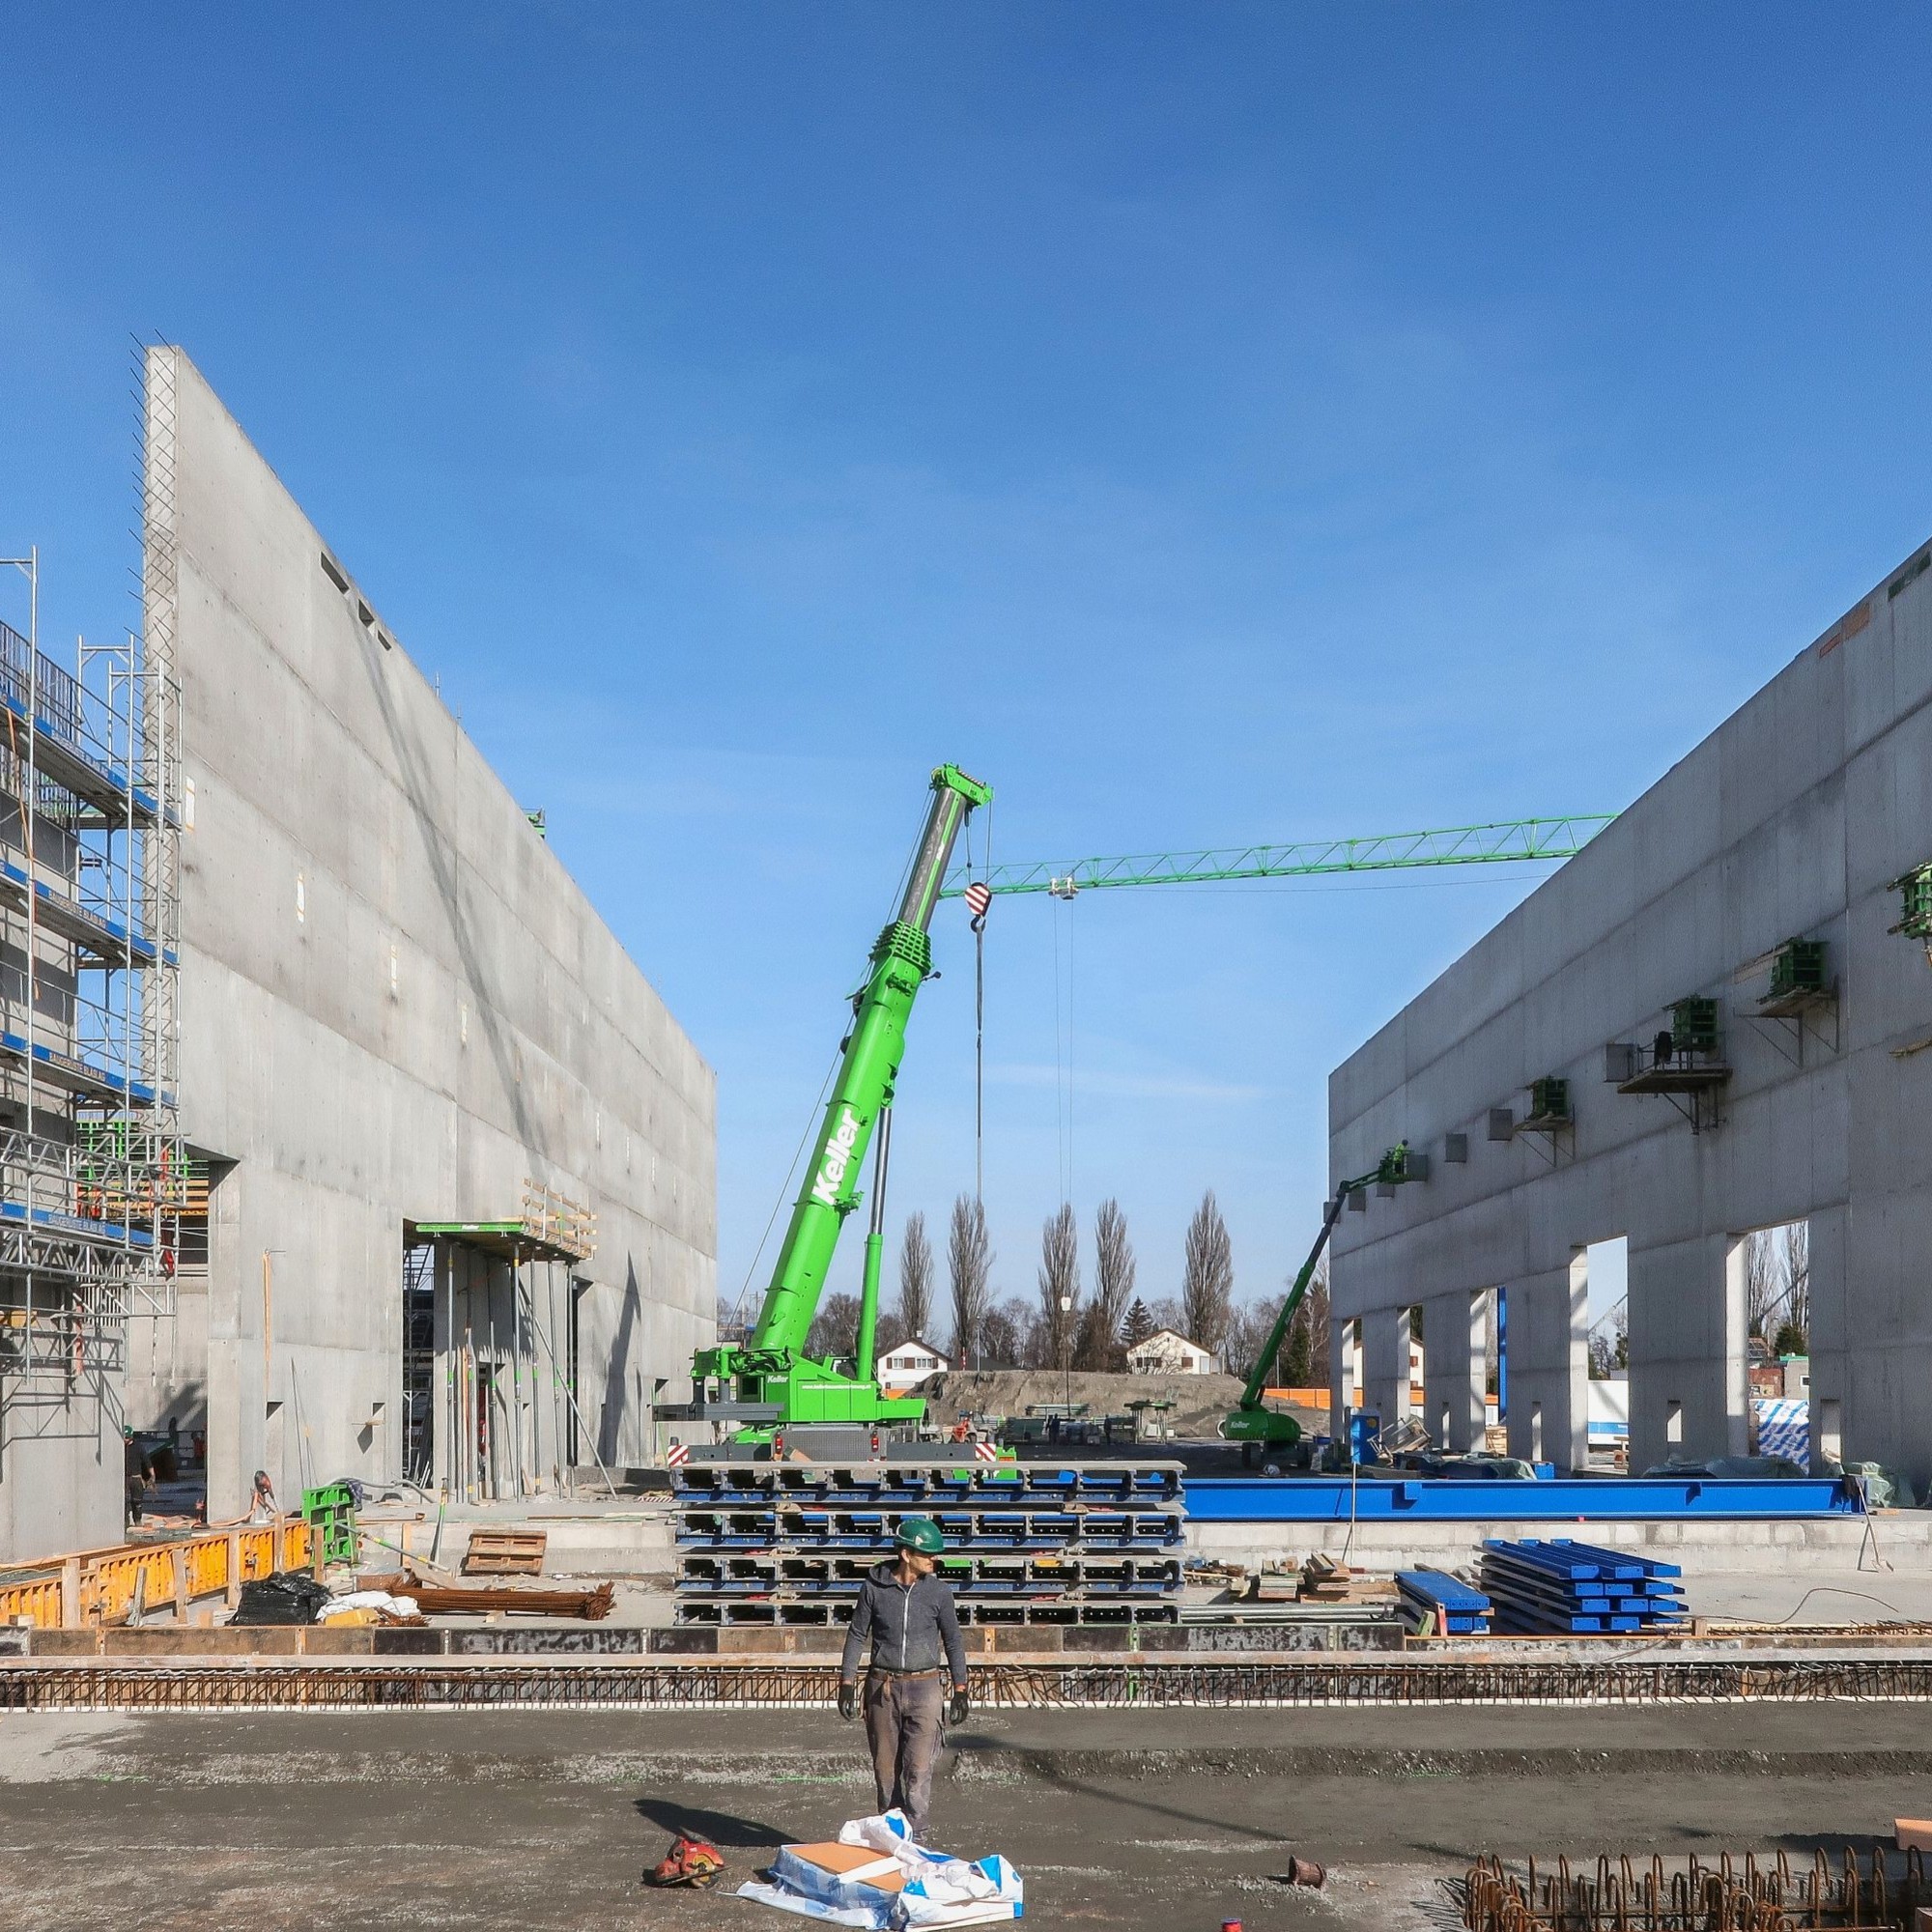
pixel 1168 1819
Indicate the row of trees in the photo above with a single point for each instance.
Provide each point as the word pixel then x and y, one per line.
pixel 1064 1323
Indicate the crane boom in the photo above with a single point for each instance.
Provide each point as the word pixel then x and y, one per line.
pixel 1508 842
pixel 772 1382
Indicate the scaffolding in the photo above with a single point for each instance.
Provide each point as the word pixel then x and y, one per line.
pixel 93 1177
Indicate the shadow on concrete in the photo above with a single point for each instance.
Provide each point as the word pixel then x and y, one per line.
pixel 445 866
pixel 614 1370
pixel 1118 1794
pixel 721 1827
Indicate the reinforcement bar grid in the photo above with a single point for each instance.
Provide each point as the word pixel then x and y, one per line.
pixel 693 1685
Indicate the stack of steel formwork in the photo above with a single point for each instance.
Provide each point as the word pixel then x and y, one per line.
pixel 1026 1543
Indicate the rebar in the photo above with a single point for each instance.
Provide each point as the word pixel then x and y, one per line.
pixel 1125 1682
pixel 1698 1895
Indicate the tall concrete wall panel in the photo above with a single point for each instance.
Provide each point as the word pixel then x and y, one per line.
pixel 397 1007
pixel 1791 820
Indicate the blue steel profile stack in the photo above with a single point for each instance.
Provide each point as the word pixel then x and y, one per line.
pixel 1560 1587
pixel 1026 1543
pixel 1435 1604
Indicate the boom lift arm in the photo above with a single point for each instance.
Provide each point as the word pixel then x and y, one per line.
pixel 1251 1421
pixel 768 1382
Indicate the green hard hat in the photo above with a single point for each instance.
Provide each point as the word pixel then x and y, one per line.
pixel 921 1533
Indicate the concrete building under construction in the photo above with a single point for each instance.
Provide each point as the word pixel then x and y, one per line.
pixel 337 1126
pixel 1713 1021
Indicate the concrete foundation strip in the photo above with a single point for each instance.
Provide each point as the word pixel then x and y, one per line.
pixel 37 1686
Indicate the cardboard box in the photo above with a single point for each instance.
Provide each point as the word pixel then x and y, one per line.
pixel 839 1874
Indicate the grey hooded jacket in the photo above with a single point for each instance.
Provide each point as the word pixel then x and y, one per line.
pixel 908 1627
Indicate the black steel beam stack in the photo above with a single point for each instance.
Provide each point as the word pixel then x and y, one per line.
pixel 1026 1543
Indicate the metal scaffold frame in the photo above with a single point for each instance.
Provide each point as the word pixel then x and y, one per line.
pixel 92 1177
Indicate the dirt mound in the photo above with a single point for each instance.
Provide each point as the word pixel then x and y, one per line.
pixel 1200 1401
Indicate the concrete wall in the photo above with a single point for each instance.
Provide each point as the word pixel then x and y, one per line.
pixel 396 1006
pixel 1788 821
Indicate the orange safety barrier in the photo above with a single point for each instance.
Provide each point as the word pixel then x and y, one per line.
pixel 38 1603
pixel 102 1586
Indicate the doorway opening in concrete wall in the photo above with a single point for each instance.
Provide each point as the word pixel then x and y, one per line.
pixel 1770 1296
pixel 486 1434
pixel 1606 1348
pixel 419 1432
pixel 1778 1290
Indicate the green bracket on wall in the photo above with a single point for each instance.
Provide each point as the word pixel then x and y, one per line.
pixel 1915 905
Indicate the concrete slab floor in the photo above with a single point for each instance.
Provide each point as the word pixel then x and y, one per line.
pixel 1168 1820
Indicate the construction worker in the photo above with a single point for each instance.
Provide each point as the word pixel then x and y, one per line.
pixel 908 1613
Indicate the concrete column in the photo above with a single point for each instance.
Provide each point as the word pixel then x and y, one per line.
pixel 1340 1374
pixel 1549 1366
pixel 1831 1340
pixel 1686 1350
pixel 1453 1333
pixel 1385 1363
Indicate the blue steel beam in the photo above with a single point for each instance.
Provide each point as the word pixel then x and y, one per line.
pixel 1565 1499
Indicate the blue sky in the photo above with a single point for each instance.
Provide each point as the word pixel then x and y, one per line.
pixel 1207 425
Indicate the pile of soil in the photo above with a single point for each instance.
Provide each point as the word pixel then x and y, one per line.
pixel 1200 1401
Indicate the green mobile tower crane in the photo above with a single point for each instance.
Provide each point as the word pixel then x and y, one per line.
pixel 768 1386
pixel 1256 1428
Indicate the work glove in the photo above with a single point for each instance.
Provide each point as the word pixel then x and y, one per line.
pixel 848 1701
pixel 956 1706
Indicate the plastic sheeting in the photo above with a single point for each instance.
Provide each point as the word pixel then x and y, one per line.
pixel 905 1884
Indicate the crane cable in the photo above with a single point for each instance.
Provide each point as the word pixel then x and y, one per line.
pixel 980 899
pixel 785 1190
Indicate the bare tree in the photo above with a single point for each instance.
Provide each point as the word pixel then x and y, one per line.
pixel 1098 1344
pixel 968 1261
pixel 915 1279
pixel 1763 1281
pixel 1208 1277
pixel 1247 1335
pixel 1304 1355
pixel 1798 1276
pixel 1006 1335
pixel 835 1328
pixel 1059 1281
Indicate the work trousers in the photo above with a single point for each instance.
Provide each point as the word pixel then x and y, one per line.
pixel 904 1723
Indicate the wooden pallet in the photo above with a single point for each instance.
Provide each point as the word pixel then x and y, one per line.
pixel 505 1552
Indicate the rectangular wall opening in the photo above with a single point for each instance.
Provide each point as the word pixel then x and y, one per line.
pixel 1830 1434
pixel 1772 1284
pixel 419 1444
pixel 1673 1422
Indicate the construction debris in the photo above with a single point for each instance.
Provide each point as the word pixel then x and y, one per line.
pixel 505 1552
